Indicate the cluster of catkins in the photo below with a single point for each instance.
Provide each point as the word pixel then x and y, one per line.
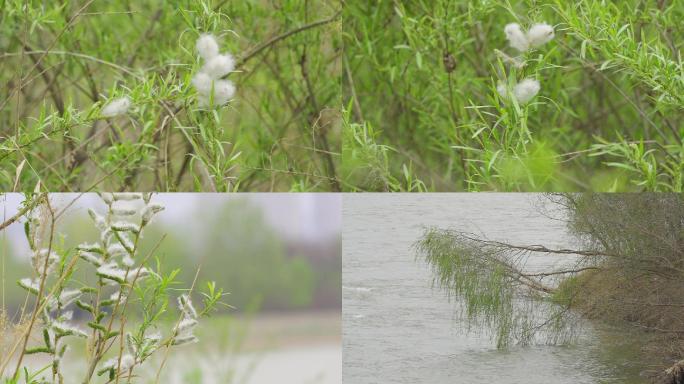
pixel 56 321
pixel 113 259
pixel 535 37
pixel 140 349
pixel 136 352
pixel 113 255
pixel 208 83
pixel 182 333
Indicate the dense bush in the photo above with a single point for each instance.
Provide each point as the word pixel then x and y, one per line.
pixel 64 63
pixel 426 109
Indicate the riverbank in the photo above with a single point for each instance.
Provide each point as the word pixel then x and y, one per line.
pixel 630 310
pixel 288 348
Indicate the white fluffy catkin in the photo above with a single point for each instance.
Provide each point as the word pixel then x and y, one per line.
pixel 540 34
pixel 535 37
pixel 516 38
pixel 224 90
pixel 525 90
pixel 116 107
pixel 211 89
pixel 202 83
pixel 219 66
pixel 207 47
pixel 501 89
pixel 127 361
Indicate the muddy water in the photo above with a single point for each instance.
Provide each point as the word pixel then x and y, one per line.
pixel 398 329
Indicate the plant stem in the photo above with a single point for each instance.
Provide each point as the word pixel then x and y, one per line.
pixel 41 289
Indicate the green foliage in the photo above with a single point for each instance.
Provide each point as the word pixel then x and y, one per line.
pixel 28 378
pixel 119 293
pixel 366 163
pixel 64 60
pixel 567 290
pixel 607 118
pixel 488 288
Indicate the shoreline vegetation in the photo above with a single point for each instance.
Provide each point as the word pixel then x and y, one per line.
pixel 627 271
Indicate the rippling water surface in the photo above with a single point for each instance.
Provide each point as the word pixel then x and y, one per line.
pixel 398 329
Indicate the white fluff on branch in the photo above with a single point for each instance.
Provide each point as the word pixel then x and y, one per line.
pixel 207 47
pixel 523 92
pixel 116 107
pixel 211 88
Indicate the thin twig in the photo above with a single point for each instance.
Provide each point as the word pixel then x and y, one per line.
pixel 22 211
pixel 256 50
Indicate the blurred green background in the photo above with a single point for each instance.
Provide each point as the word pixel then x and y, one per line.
pixel 275 253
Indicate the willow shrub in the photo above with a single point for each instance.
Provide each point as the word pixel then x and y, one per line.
pixel 627 271
pixel 119 314
pixel 607 117
pixel 63 61
pixel 492 291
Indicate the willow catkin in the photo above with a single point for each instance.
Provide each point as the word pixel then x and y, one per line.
pixel 526 90
pixel 516 38
pixel 540 34
pixel 211 88
pixel 523 91
pixel 116 107
pixel 207 47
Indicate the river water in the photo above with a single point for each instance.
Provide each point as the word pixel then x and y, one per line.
pixel 398 329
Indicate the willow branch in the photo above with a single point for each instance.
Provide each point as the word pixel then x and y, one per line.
pixel 272 41
pixel 21 212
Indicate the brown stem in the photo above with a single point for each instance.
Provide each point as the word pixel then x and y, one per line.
pixel 321 133
pixel 41 290
pixel 22 212
pixel 563 272
pixel 256 50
